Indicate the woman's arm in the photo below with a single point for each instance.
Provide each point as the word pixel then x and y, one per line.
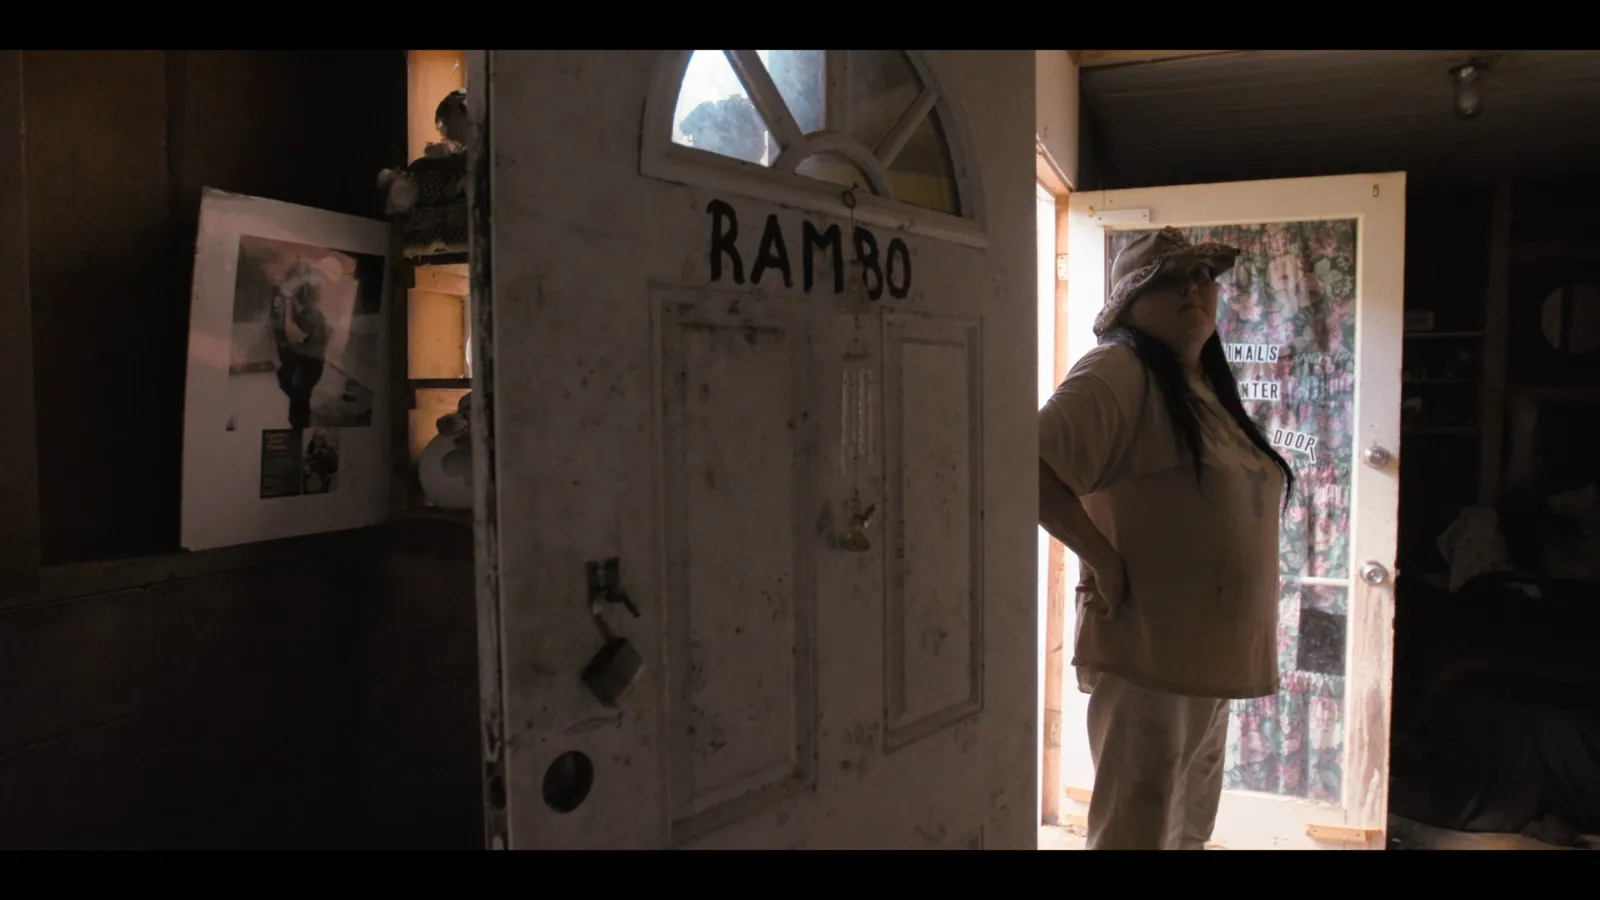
pixel 1062 515
pixel 1083 432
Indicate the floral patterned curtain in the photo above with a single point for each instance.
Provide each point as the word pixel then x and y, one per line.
pixel 1287 320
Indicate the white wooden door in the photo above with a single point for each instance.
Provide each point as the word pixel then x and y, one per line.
pixel 1311 318
pixel 680 370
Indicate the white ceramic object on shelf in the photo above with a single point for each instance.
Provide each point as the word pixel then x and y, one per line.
pixel 445 468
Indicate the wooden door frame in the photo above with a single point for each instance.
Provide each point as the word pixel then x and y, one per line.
pixel 1055 631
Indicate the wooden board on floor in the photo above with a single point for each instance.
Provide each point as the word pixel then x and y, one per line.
pixel 1055 837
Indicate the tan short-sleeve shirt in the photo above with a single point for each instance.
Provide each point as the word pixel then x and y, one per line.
pixel 1201 615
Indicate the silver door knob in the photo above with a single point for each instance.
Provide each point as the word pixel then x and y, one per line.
pixel 1374 573
pixel 1376 457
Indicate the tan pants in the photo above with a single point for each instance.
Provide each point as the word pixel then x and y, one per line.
pixel 1157 767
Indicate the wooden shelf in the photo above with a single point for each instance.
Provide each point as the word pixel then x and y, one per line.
pixel 444 258
pixel 435 514
pixel 1460 335
pixel 1555 252
pixel 439 384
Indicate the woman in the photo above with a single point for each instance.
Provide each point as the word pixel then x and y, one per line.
pixel 1153 474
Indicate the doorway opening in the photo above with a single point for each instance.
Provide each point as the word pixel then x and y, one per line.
pixel 1045 221
pixel 1056 565
pixel 1294 767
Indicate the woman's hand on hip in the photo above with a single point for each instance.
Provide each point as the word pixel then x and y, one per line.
pixel 1107 585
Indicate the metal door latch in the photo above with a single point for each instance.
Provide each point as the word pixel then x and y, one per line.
pixel 605 586
pixel 856 521
pixel 615 669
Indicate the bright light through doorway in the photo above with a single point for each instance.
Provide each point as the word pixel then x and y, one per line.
pixel 1051 837
pixel 1045 203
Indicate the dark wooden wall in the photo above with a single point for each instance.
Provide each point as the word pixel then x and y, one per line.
pixel 119 146
pixel 19 471
pixel 318 692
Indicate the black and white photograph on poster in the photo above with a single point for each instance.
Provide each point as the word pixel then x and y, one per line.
pixel 305 325
pixel 298 463
pixel 287 407
pixel 319 461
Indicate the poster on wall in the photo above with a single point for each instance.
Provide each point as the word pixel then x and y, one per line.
pixel 286 413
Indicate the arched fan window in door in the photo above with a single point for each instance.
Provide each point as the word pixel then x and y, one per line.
pixel 818 119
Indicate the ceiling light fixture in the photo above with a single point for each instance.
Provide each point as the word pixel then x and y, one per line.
pixel 1468 80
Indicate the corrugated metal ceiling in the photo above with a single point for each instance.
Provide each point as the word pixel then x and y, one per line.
pixel 1289 113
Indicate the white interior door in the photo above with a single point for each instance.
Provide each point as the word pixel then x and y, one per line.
pixel 694 355
pixel 1311 318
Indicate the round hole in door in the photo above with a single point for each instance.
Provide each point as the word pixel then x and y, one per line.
pixel 567 781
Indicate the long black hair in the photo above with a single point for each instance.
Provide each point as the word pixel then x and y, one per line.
pixel 1167 369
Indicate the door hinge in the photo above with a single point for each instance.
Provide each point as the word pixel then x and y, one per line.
pixel 1119 216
